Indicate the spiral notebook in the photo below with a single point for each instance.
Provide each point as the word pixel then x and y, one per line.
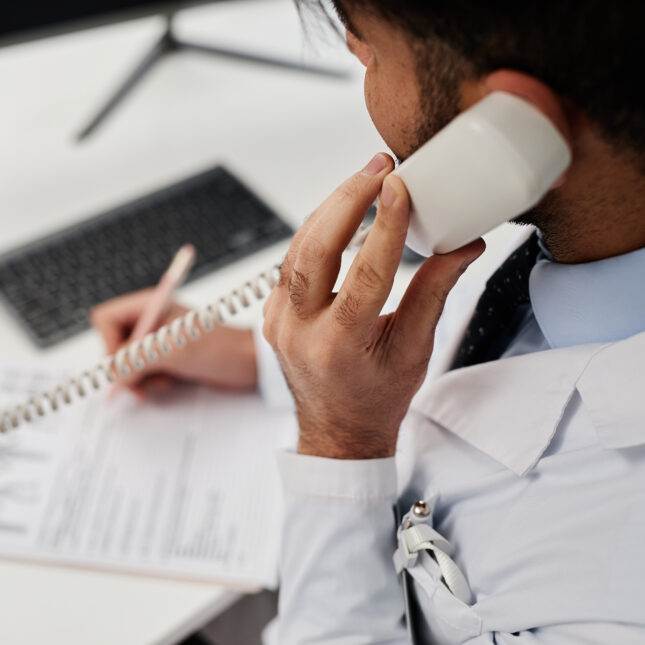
pixel 182 486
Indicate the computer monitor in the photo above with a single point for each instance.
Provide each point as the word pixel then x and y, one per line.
pixel 31 19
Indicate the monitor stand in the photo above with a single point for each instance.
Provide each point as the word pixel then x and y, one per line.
pixel 169 44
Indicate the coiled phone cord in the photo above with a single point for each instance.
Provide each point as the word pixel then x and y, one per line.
pixel 146 351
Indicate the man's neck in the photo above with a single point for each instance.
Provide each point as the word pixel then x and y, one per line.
pixel 599 212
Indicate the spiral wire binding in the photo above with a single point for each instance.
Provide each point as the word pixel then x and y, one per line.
pixel 146 351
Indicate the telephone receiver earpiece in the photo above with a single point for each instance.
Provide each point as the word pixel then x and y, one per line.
pixel 491 163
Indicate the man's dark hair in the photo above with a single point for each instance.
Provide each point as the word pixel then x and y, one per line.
pixel 591 53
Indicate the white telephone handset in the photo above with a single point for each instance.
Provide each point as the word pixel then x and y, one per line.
pixel 491 163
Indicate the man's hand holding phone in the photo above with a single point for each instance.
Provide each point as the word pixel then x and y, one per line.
pixel 352 371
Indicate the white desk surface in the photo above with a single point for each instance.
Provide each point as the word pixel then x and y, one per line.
pixel 292 137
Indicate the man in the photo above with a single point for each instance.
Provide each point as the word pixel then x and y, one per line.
pixel 520 472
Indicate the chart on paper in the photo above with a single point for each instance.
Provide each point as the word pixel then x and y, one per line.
pixel 183 485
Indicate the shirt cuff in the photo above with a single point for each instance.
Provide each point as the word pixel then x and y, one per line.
pixel 365 480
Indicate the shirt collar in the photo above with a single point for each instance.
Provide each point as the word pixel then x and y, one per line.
pixel 510 409
pixel 594 302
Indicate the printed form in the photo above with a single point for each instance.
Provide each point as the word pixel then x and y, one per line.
pixel 183 485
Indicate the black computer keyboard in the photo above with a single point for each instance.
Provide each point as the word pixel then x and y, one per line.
pixel 52 283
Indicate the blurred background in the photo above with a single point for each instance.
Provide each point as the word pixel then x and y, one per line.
pixel 290 135
pixel 70 203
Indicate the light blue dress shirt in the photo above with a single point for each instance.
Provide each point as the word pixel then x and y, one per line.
pixel 573 304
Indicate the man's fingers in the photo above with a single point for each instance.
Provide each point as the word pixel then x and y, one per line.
pixel 279 295
pixel 111 334
pixel 424 299
pixel 115 318
pixel 318 255
pixel 369 281
pixel 112 331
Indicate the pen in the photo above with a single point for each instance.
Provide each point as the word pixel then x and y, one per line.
pixel 172 279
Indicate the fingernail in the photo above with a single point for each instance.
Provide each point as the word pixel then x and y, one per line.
pixel 387 194
pixel 375 166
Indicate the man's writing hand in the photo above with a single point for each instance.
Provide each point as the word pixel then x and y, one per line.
pixel 225 357
pixel 352 371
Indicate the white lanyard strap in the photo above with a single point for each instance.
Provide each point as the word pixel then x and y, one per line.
pixel 422 537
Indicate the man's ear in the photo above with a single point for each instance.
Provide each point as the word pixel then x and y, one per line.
pixel 535 92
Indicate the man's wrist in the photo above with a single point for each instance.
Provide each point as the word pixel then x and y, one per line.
pixel 352 447
pixel 230 358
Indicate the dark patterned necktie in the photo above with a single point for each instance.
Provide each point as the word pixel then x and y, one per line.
pixel 507 289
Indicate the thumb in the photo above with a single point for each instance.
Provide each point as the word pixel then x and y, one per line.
pixel 425 297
